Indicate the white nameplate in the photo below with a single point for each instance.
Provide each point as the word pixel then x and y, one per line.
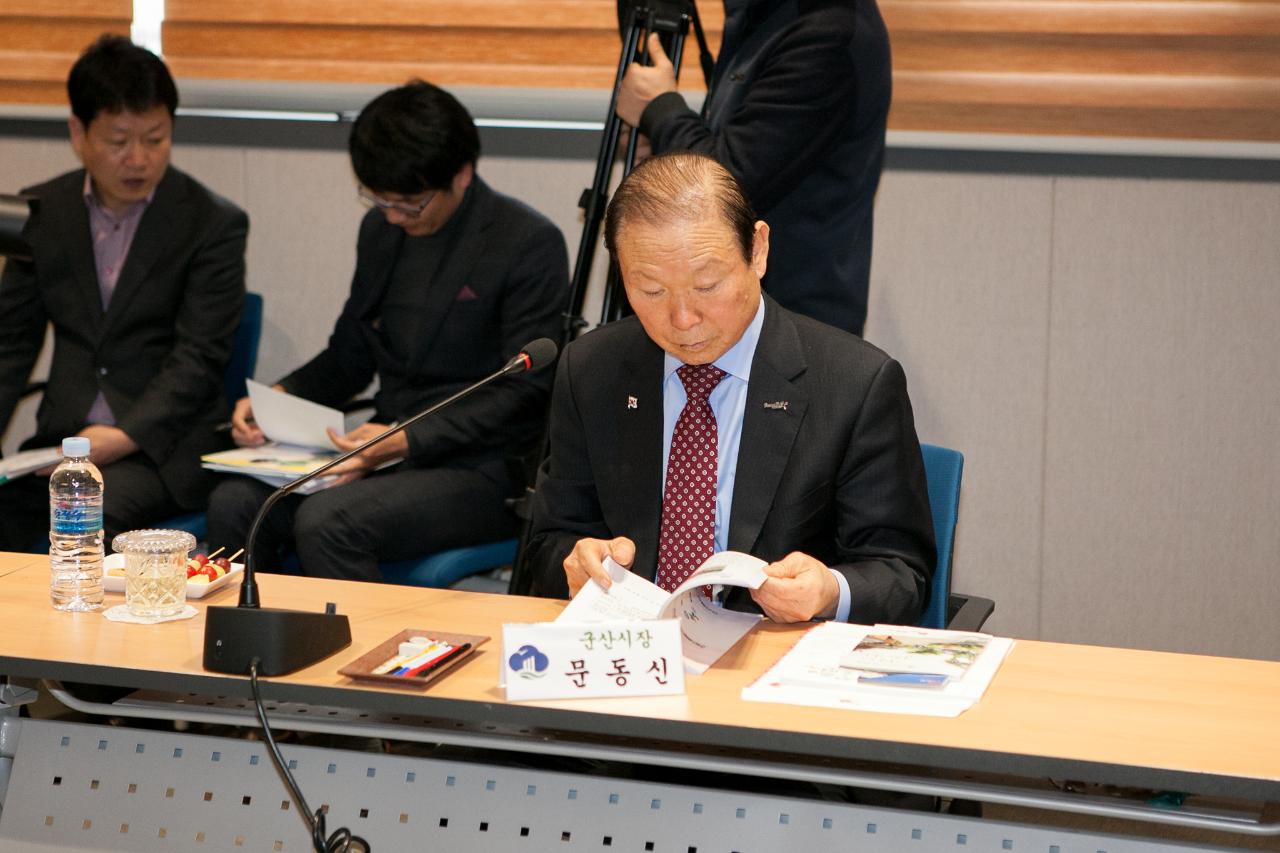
pixel 564 660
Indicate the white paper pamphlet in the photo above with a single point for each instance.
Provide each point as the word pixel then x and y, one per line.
pixel 886 668
pixel 708 630
pixel 26 461
pixel 286 419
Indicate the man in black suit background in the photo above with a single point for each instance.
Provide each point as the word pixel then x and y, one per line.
pixel 140 271
pixel 809 457
pixel 451 280
pixel 797 114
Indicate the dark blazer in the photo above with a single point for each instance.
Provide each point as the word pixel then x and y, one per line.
pixel 159 351
pixel 835 473
pixel 802 90
pixel 502 282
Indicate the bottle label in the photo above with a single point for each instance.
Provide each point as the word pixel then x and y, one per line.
pixel 73 518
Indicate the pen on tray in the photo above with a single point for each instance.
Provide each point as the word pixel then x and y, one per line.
pixel 428 654
pixel 408 652
pixel 431 666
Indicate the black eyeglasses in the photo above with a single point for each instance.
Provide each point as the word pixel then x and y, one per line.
pixel 413 209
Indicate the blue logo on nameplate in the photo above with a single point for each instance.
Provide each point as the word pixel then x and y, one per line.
pixel 528 662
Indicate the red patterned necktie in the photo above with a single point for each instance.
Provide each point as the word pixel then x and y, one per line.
pixel 687 538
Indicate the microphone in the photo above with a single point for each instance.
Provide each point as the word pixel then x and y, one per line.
pixel 288 640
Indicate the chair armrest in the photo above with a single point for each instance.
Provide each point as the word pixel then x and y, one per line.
pixel 968 612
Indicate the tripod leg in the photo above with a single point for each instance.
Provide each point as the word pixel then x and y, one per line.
pixel 616 305
pixel 594 198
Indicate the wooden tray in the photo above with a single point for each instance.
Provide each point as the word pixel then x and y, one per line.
pixel 362 667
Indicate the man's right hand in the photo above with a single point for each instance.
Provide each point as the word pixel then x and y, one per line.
pixel 244 430
pixel 586 560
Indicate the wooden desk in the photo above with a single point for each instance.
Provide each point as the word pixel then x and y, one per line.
pixel 1157 720
pixel 1180 722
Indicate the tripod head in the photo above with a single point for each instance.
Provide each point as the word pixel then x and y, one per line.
pixel 670 19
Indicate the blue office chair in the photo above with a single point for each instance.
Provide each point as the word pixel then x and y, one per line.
pixel 244 359
pixel 943 469
pixel 447 567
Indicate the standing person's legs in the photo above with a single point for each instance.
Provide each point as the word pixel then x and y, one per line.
pixel 347 531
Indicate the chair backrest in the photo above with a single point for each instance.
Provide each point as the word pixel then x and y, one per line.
pixel 943 469
pixel 244 352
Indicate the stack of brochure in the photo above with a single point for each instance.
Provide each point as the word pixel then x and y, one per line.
pixel 888 668
pixel 298 441
pixel 274 464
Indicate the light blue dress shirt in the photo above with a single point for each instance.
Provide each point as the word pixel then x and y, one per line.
pixel 729 405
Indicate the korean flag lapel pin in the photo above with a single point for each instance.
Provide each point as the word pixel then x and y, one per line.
pixel 632 402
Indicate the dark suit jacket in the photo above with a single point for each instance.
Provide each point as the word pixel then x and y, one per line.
pixel 836 474
pixel 802 90
pixel 159 351
pixel 502 282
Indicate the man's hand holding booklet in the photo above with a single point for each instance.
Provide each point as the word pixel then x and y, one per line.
pixel 708 631
pixel 298 441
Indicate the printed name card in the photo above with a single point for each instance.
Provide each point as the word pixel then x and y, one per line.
pixel 568 660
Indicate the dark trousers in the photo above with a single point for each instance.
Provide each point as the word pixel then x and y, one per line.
pixel 133 497
pixel 346 531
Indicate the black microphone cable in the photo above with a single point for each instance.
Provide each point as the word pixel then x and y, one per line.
pixel 342 840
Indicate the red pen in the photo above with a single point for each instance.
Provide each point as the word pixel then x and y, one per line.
pixel 435 663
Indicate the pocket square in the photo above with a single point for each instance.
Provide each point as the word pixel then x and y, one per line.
pixel 466 294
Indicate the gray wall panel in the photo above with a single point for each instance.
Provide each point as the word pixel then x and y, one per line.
pixel 1161 486
pixel 960 283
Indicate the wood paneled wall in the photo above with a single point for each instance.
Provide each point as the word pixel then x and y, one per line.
pixel 1156 68
pixel 40 40
pixel 549 44
pixel 1206 69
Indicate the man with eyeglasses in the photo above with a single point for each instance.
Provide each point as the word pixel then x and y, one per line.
pixel 451 280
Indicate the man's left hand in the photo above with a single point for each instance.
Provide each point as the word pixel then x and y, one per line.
pixel 394 447
pixel 799 589
pixel 642 83
pixel 107 444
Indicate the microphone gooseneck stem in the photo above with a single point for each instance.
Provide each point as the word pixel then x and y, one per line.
pixel 249 586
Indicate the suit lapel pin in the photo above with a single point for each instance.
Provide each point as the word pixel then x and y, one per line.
pixel 778 405
pixel 633 403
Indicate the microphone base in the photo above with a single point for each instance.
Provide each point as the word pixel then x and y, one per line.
pixel 282 640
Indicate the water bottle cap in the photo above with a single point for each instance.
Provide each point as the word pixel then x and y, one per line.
pixel 77 445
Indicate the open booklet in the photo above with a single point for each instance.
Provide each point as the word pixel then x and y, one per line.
pixel 298 441
pixel 888 668
pixel 274 464
pixel 707 630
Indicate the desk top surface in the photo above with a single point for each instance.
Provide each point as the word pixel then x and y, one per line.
pixel 1161 720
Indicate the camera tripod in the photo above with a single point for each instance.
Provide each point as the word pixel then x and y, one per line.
pixel 637 19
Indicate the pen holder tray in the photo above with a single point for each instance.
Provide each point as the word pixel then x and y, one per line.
pixel 363 667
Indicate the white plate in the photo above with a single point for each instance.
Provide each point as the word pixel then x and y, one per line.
pixel 115 583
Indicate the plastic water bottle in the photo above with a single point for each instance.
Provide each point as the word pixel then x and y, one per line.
pixel 75 529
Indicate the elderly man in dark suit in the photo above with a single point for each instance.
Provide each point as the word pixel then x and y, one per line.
pixel 140 271
pixel 451 280
pixel 715 419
